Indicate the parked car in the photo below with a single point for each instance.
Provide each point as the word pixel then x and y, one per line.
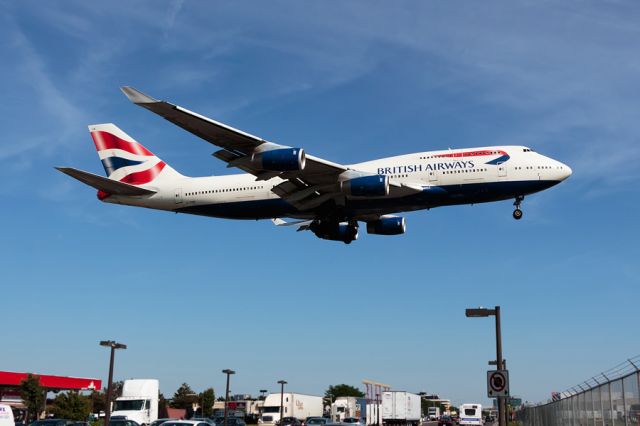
pixel 122 422
pixel 52 422
pixel 185 423
pixel 446 421
pixel 289 421
pixel 160 421
pixel 205 419
pixel 231 421
pixel 316 421
pixel 354 421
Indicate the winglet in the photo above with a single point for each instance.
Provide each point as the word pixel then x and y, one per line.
pixel 136 96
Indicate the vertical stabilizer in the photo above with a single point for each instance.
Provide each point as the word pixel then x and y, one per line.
pixel 126 160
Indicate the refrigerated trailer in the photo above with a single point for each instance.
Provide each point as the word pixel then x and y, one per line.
pixel 401 408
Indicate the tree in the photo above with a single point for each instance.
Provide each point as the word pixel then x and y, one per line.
pixel 72 406
pixel 184 397
pixel 116 390
pixel 342 390
pixel 162 406
pixel 98 401
pixel 208 398
pixel 32 395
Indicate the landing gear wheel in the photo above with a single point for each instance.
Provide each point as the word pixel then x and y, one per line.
pixel 517 214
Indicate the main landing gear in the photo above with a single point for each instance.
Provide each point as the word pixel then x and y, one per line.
pixel 517 213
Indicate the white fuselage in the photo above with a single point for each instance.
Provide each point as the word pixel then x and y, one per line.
pixel 468 175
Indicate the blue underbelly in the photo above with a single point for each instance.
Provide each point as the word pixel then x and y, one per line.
pixel 446 195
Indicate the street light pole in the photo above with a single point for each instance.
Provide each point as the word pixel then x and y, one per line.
pixel 484 312
pixel 226 398
pixel 113 345
pixel 282 383
pixel 502 415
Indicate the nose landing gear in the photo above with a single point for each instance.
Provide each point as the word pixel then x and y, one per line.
pixel 517 213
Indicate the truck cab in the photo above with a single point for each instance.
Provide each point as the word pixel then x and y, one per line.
pixel 139 401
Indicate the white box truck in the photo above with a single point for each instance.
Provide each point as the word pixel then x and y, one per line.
pixel 139 401
pixel 433 413
pixel 295 405
pixel 471 414
pixel 401 408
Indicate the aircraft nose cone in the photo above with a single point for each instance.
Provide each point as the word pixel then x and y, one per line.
pixel 566 171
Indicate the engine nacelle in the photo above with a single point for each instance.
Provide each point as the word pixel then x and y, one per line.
pixel 367 186
pixel 387 225
pixel 280 160
pixel 334 231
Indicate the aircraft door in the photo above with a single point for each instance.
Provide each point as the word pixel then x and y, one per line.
pixel 502 170
pixel 433 175
pixel 178 197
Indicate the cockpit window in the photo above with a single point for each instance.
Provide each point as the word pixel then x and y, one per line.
pixel 527 150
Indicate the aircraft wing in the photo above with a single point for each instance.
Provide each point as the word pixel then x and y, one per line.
pixel 317 183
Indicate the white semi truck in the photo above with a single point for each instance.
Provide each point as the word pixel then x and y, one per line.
pixel 401 408
pixel 295 405
pixel 433 413
pixel 348 406
pixel 139 401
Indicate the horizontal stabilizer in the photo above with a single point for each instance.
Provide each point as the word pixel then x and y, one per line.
pixel 104 184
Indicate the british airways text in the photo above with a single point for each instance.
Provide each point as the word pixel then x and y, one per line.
pixel 413 168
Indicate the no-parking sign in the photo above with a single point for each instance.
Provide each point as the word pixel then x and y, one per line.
pixel 497 383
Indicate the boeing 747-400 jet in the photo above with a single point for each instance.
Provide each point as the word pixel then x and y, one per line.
pixel 326 198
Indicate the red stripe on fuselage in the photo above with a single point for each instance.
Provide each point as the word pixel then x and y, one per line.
pixel 145 176
pixel 104 140
pixel 471 154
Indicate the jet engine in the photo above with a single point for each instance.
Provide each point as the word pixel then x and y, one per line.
pixel 280 160
pixel 366 186
pixel 387 225
pixel 343 231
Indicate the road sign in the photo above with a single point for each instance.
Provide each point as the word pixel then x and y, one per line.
pixel 497 383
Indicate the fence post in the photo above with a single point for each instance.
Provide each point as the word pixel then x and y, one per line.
pixel 624 404
pixel 610 404
pixel 601 405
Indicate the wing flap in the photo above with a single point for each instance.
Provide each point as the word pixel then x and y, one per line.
pixel 104 184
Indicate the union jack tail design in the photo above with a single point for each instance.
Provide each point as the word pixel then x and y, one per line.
pixel 126 160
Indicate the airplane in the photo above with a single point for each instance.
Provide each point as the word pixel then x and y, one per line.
pixel 326 198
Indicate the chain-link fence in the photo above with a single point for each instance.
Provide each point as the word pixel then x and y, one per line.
pixel 609 399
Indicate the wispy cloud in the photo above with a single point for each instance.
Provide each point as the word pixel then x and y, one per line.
pixel 39 88
pixel 172 14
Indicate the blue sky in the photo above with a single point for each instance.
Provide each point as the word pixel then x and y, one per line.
pixel 348 81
